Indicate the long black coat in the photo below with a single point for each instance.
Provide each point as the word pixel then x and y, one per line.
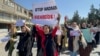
pixel 97 37
pixel 25 44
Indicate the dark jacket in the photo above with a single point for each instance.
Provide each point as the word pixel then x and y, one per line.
pixel 70 41
pixel 25 43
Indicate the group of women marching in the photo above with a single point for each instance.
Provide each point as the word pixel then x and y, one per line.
pixel 51 40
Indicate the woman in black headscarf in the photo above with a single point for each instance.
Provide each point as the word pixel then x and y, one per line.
pixel 36 35
pixel 48 46
pixel 25 42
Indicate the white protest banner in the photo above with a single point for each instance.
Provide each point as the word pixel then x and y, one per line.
pixel 20 22
pixel 75 33
pixel 45 13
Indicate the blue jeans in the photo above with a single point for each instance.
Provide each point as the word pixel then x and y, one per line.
pixel 73 53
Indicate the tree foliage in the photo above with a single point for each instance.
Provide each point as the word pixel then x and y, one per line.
pixel 76 17
pixel 93 16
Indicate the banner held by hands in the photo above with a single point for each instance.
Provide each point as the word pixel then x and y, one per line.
pixel 20 22
pixel 45 13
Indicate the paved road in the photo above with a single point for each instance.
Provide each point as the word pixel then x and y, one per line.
pixel 95 52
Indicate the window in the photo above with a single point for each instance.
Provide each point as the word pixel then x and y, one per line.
pixel 25 12
pixel 6 1
pixel 14 17
pixel 30 14
pixel 1 15
pixel 6 16
pixel 19 9
pixel 12 4
pixel 9 3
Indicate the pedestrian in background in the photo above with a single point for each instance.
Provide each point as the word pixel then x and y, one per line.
pixel 59 39
pixel 85 51
pixel 10 44
pixel 73 40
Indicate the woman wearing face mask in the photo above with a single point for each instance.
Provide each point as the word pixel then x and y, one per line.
pixel 25 42
pixel 73 45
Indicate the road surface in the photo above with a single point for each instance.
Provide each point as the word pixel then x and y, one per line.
pixel 95 52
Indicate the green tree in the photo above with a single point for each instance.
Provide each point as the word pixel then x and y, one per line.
pixel 98 13
pixel 92 14
pixel 83 20
pixel 76 17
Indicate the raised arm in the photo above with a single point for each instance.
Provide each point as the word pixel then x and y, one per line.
pixel 12 29
pixel 12 32
pixel 27 28
pixel 56 27
pixel 65 23
pixel 39 29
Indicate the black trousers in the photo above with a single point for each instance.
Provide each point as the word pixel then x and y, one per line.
pixel 24 53
pixel 97 37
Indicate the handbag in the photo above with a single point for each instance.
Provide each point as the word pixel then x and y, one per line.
pixel 7 46
pixel 80 43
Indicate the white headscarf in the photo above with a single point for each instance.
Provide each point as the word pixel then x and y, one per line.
pixel 75 42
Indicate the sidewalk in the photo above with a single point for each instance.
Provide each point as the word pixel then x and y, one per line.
pixel 95 52
pixel 3 32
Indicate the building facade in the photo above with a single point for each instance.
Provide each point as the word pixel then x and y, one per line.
pixel 10 12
